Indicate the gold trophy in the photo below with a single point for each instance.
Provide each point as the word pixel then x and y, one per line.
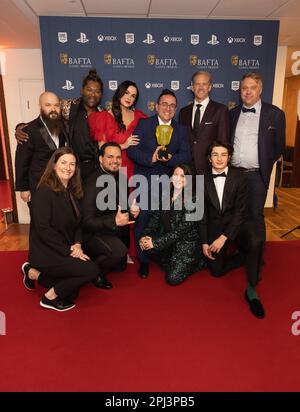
pixel 163 135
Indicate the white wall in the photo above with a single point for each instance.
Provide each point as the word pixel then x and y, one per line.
pixel 20 64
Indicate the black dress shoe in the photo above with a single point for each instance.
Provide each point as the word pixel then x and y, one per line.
pixel 256 307
pixel 103 283
pixel 144 270
pixel 27 282
pixel 56 304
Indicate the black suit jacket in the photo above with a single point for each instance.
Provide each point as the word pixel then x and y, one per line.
pixel 55 227
pixel 214 126
pixel 271 136
pixel 32 156
pixel 229 219
pixel 96 221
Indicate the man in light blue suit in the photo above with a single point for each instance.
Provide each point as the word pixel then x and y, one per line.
pixel 148 161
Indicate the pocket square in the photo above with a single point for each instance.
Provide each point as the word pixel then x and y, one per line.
pixel 271 128
pixel 209 123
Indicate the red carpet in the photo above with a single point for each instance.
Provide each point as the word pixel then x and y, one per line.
pixel 146 336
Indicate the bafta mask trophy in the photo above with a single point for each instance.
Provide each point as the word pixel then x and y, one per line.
pixel 163 136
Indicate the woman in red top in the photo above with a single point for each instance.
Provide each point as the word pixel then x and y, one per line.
pixel 118 124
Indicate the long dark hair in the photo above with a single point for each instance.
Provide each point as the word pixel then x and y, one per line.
pixel 50 178
pixel 116 107
pixel 187 170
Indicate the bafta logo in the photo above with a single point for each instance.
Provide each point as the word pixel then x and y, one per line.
pixel 63 58
pixel 193 60
pixel 234 60
pixel 163 135
pixel 107 58
pixel 151 105
pixel 151 59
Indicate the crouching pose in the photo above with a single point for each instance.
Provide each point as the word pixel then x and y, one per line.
pixel 171 238
pixel 56 258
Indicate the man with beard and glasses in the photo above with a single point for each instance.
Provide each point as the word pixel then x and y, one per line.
pixel 46 134
pixel 75 113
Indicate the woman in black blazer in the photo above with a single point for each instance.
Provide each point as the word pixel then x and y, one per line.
pixel 171 237
pixel 56 258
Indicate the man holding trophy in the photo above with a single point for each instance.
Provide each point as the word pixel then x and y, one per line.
pixel 163 144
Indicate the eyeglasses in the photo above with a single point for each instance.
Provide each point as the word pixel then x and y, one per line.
pixel 165 105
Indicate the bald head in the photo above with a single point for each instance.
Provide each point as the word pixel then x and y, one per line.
pixel 50 105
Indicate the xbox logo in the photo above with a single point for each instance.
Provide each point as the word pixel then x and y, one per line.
pixel 147 85
pixel 100 37
pixel 230 39
pixel 166 39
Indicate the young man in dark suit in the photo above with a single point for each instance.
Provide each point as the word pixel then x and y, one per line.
pixel 258 139
pixel 226 220
pixel 205 119
pixel 148 163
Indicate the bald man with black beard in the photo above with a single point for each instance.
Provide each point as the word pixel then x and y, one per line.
pixel 46 134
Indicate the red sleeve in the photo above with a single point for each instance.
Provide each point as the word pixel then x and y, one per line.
pixel 98 124
pixel 140 115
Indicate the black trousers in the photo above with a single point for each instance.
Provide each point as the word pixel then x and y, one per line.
pixel 257 197
pixel 68 277
pixel 249 253
pixel 109 252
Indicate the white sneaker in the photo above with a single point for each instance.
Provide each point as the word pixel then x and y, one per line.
pixel 130 260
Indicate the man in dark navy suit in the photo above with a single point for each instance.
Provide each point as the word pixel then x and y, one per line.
pixel 258 138
pixel 148 162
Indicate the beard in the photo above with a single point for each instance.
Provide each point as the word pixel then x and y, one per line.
pixel 91 102
pixel 54 123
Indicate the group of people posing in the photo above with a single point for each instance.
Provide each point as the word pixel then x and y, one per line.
pixel 63 154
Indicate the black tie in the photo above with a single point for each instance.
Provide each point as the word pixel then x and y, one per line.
pixel 245 110
pixel 223 174
pixel 196 125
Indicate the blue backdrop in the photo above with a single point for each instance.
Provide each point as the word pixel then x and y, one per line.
pixel 157 54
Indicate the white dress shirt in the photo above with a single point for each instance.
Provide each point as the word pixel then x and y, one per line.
pixel 219 184
pixel 245 146
pixel 204 104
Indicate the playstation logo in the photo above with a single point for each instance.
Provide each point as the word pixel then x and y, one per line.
pixel 214 40
pixel 68 85
pixel 149 39
pixel 82 38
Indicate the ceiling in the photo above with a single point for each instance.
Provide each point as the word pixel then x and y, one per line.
pixel 19 27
